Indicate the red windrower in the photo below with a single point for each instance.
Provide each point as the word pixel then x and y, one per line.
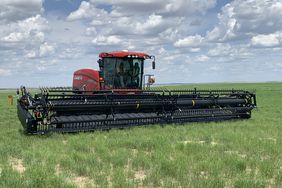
pixel 115 97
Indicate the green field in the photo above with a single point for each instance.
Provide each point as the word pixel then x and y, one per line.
pixel 245 153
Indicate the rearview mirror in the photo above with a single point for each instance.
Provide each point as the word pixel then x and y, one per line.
pixel 153 64
pixel 100 62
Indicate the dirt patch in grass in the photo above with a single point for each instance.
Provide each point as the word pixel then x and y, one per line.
pixel 271 182
pixel 80 181
pixel 134 152
pixel 248 170
pixel 58 170
pixel 193 142
pixel 109 177
pixel 17 165
pixel 212 143
pixel 252 171
pixel 204 174
pixel 140 175
pixel 265 157
pixel 228 183
pixel 271 139
pixel 128 166
pixel 241 155
pixel 256 171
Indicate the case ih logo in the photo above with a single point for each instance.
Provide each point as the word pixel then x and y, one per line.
pixel 77 77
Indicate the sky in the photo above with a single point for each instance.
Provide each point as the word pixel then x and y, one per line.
pixel 43 42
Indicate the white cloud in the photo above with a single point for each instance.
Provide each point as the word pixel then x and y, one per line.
pixel 266 40
pixel 82 12
pixel 195 49
pixel 43 50
pixel 13 37
pixel 85 11
pixel 179 32
pixel 5 72
pixel 189 41
pixel 215 68
pixel 152 22
pixel 163 7
pixel 23 39
pixel 220 49
pixel 241 19
pixel 31 54
pixel 27 37
pixel 110 40
pixel 91 31
pixel 46 49
pixel 70 53
pixel 157 20
pixel 45 64
pixel 202 58
pixel 13 10
pixel 30 29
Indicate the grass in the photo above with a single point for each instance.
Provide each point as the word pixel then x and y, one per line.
pixel 244 153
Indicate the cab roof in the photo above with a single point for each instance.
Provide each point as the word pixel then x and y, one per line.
pixel 125 54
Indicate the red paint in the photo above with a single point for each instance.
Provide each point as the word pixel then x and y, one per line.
pixel 123 54
pixel 86 79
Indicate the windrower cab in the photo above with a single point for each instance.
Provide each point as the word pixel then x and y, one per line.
pixel 117 71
